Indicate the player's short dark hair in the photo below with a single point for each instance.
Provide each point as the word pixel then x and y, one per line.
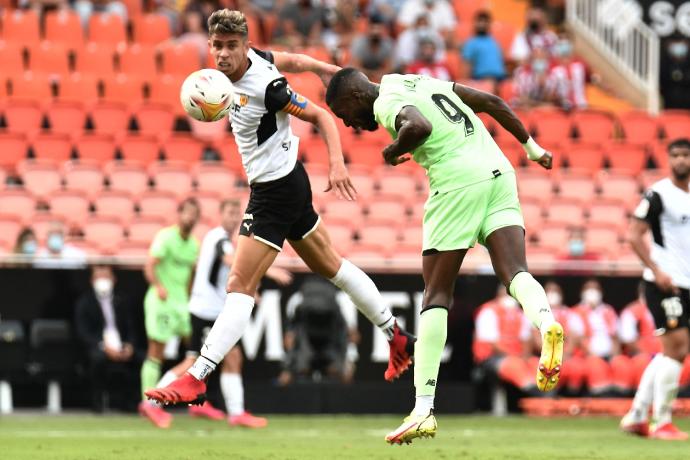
pixel 191 201
pixel 229 202
pixel 227 21
pixel 680 143
pixel 338 83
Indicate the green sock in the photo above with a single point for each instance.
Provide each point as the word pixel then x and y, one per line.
pixel 526 290
pixel 150 374
pixel 433 328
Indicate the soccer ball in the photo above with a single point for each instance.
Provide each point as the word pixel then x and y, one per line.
pixel 207 95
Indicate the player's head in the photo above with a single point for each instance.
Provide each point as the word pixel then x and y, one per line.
pixel 230 214
pixel 679 158
pixel 350 95
pixel 188 214
pixel 228 41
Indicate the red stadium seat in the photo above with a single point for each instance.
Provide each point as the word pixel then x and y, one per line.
pixel 150 29
pixel 165 89
pixel 95 58
pixel 651 176
pixel 116 204
pixel 134 7
pixel 210 204
pixel 49 59
pixel 110 118
pixel 341 236
pixel 532 213
pixel 504 33
pixel 384 236
pixel 64 26
pixel 180 148
pixel 608 212
pixel 626 159
pixel 161 204
pixel 364 253
pixel 70 206
pixel 391 183
pixel 21 27
pixel 23 117
pixel 81 88
pixel 308 85
pixel 139 60
pixel 174 179
pixel 620 187
pixel 31 87
pixel 576 187
pixel 553 236
pixel 96 148
pixel 52 147
pixel 675 123
pixel 213 177
pixel 589 158
pixel 127 177
pixel 343 211
pixel 412 235
pixel 19 203
pixel 14 149
pixel 639 128
pixel 593 126
pixel 535 186
pixel 127 248
pixel 362 181
pixel 365 154
pixel 66 118
pixel 144 229
pixel 140 149
pixel 85 178
pixel 11 58
pixel 155 120
pixel 660 156
pixel 108 29
pixel 10 227
pixel 104 232
pixel 566 212
pixel 40 178
pixel 465 10
pixel 388 211
pixel 602 239
pixel 551 126
pixel 180 59
pixel 123 88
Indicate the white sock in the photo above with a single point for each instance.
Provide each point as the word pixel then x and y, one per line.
pixel 365 296
pixel 224 334
pixel 423 404
pixel 665 389
pixel 526 290
pixel 645 390
pixel 167 379
pixel 233 392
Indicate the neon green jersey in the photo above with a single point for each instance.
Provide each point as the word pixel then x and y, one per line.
pixel 460 151
pixel 177 258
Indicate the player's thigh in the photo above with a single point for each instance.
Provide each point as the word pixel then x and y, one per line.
pixel 317 251
pixel 159 318
pixel 670 312
pixel 252 258
pixel 440 270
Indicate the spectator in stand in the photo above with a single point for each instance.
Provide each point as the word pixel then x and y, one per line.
pixel 342 26
pixel 604 369
pixel 41 6
pixel 407 47
pixel 674 74
pixel 387 9
pixel 575 252
pixel 482 52
pixel 300 24
pixel 85 8
pixel 426 63
pixel 503 343
pixel 103 326
pixel 441 16
pixel 265 11
pixel 372 51
pixel 572 74
pixel 193 32
pixel 26 244
pixel 57 253
pixel 534 83
pixel 535 36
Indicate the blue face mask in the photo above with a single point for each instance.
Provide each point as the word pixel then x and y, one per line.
pixel 539 65
pixel 55 242
pixel 29 247
pixel 564 48
pixel 576 247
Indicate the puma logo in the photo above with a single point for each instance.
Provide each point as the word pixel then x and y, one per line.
pixel 247 225
pixel 431 382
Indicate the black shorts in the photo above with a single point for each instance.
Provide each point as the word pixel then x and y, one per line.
pixel 280 209
pixel 200 329
pixel 670 311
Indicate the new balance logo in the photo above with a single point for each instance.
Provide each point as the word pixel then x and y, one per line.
pixel 431 382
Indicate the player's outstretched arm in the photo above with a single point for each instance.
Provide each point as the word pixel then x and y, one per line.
pixel 298 63
pixel 479 101
pixel 413 128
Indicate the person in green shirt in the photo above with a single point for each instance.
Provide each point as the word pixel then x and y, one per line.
pixel 472 198
pixel 169 269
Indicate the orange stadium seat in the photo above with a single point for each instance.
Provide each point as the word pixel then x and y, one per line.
pixel 412 235
pixel 66 118
pixel 588 158
pixel 650 176
pixel 104 232
pixel 602 239
pixel 210 204
pixel 19 203
pixel 53 147
pixel 117 204
pixel 70 206
pixel 391 183
pixel 134 7
pixel 107 29
pixel 639 127
pixel 551 126
pixel 123 88
pixel 14 149
pixel 565 211
pixel 96 148
pixel 362 253
pixel 365 154
pixel 129 248
pixel 166 90
pixel 140 149
pixel 85 178
pixel 41 224
pixel 532 213
pixel 181 59
pixel 12 58
pixel 593 126
pixel 675 123
pixel 79 87
pixel 384 236
pixel 175 179
pixel 40 178
pixel 155 120
pixel 626 158
pixel 110 118
pixel 344 212
pixel 660 156
pixel 97 59
pixel 150 28
pixel 576 187
pixel 308 85
pixel 465 10
pixel 21 27
pixel 127 177
pixel 608 212
pixel 161 204
pixel 341 236
pixel 183 148
pixel 535 186
pixel 214 177
pixel 10 227
pixel 388 210
pixel 138 59
pixel 362 181
pixel 622 187
pixel 504 33
pixel 50 59
pixel 144 229
pixel 553 236
pixel 32 87
pixel 23 117
pixel 64 26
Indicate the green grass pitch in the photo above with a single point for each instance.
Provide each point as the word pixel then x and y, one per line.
pixel 84 437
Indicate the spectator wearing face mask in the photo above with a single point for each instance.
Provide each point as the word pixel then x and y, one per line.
pixel 483 52
pixel 58 253
pixel 535 85
pixel 103 326
pixel 300 23
pixel 26 244
pixel 426 63
pixel 674 74
pixel 535 36
pixel 372 51
pixel 441 16
pixel 407 48
pixel 605 369
pixel 576 251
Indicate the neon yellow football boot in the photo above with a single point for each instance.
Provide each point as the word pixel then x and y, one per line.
pixel 551 359
pixel 413 426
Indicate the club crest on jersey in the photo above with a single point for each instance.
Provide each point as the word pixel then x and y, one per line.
pixel 243 100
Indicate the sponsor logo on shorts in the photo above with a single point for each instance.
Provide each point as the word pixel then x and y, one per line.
pixel 248 217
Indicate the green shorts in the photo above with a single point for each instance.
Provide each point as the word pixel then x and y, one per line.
pixel 459 218
pixel 166 319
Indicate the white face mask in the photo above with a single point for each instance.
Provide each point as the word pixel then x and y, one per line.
pixel 554 298
pixel 103 287
pixel 508 302
pixel 591 296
